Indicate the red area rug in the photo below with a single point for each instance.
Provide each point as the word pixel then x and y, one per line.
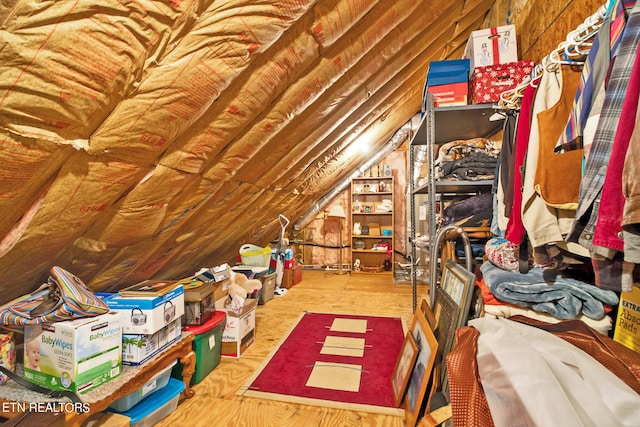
pixel 341 361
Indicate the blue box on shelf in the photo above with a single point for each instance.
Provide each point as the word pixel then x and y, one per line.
pixel 448 72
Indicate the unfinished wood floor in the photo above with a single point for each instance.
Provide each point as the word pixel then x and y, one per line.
pixel 216 403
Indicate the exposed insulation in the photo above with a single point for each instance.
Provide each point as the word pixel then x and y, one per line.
pixel 146 139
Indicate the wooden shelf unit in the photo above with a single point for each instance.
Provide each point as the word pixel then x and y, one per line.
pixel 367 197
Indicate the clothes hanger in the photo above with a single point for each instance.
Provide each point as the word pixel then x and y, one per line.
pixel 557 57
pixel 510 99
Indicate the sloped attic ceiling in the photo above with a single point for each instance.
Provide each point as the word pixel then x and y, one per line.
pixel 149 138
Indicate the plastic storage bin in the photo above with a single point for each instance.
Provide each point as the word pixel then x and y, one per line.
pixel 255 255
pixel 154 384
pixel 207 346
pixel 156 406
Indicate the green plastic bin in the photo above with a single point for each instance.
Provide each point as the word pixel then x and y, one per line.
pixel 207 345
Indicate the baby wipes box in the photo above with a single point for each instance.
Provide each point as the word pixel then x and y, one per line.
pixel 76 355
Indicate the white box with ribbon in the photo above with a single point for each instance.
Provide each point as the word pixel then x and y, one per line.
pixel 492 46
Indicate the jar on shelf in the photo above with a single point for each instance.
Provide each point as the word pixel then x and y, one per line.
pixel 357 228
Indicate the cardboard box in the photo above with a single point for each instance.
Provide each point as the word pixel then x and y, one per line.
pixel 239 331
pixel 627 329
pixel 292 276
pixel 450 94
pixel 77 355
pixel 199 304
pixel 487 83
pixel 147 315
pixel 492 46
pixel 138 348
pixel 268 288
pixel 221 289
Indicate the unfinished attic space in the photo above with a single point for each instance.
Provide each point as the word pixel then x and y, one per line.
pixel 408 213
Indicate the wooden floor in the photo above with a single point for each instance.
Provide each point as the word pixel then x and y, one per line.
pixel 216 403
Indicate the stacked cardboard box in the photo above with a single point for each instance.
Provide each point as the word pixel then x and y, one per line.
pixel 239 330
pixel 448 82
pixel 493 56
pixel 149 323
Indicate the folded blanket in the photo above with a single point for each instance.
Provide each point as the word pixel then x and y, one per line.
pixel 541 290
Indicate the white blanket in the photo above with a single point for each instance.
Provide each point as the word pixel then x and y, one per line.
pixel 533 378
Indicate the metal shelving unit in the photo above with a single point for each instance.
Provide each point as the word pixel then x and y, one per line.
pixel 440 125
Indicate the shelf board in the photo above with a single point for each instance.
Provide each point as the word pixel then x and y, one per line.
pixel 370 178
pixel 459 122
pixel 456 186
pixel 370 251
pixel 374 193
pixel 371 213
pixel 368 236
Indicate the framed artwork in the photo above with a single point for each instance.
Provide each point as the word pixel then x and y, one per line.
pixel 423 367
pixel 447 314
pixel 404 366
pixel 458 283
pixel 428 314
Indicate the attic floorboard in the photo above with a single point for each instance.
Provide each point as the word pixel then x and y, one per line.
pixel 216 403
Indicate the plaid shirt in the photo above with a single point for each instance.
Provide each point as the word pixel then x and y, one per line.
pixel 609 223
pixel 596 165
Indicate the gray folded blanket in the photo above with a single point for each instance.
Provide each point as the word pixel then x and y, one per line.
pixel 541 290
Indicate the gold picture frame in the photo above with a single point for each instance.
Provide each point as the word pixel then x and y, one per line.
pixel 422 369
pixel 403 368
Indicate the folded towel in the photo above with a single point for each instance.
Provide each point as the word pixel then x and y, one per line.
pixel 547 291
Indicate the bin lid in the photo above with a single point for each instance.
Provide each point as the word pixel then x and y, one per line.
pixel 154 401
pixel 218 317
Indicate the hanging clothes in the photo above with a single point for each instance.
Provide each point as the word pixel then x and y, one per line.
pixel 631 190
pixel 593 74
pixel 584 118
pixel 503 183
pixel 515 230
pixel 596 165
pixel 557 177
pixel 608 231
pixel 546 224
pixel 507 160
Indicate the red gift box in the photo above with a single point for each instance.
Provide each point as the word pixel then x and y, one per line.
pixel 487 83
